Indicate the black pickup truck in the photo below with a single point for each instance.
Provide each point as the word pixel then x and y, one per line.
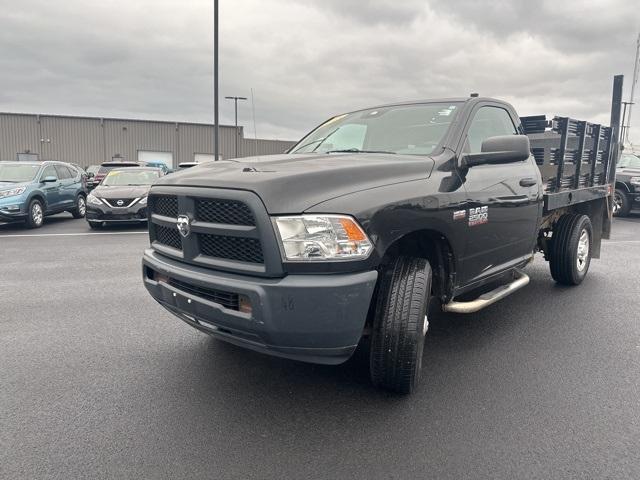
pixel 627 194
pixel 369 217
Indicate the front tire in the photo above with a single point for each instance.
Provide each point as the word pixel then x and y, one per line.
pixel 35 217
pixel 400 324
pixel 621 203
pixel 81 207
pixel 570 249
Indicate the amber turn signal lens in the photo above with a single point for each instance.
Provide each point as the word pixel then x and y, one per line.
pixel 353 230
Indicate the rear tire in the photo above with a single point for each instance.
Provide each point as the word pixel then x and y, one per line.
pixel 400 324
pixel 621 203
pixel 81 207
pixel 570 249
pixel 35 217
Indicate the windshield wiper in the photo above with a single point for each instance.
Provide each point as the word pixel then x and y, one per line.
pixel 316 141
pixel 357 150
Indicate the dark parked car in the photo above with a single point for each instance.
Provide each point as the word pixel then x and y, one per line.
pixel 91 170
pixel 627 195
pixel 31 190
pixel 121 197
pixel 83 176
pixel 106 167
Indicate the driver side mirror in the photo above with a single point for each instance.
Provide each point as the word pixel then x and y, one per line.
pixel 49 179
pixel 500 150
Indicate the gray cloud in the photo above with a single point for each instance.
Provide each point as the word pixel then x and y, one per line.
pixel 308 60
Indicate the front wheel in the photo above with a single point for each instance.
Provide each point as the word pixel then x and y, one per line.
pixel 570 249
pixel 35 217
pixel 81 207
pixel 400 325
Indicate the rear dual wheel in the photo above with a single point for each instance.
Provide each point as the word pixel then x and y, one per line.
pixel 400 325
pixel 570 249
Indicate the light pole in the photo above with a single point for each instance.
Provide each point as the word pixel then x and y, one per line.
pixel 235 99
pixel 216 130
pixel 633 86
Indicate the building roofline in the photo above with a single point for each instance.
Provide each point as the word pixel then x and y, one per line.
pixel 119 119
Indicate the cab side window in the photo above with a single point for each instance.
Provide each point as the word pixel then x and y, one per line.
pixel 49 171
pixel 488 122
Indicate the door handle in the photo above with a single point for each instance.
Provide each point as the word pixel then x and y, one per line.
pixel 528 182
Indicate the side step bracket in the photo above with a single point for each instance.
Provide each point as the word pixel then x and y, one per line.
pixel 488 298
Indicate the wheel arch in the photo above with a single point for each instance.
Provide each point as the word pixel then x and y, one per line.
pixel 38 196
pixel 436 248
pixel 622 186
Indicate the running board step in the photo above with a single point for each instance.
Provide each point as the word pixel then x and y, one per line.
pixel 488 298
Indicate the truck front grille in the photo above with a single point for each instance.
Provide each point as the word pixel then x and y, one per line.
pixel 229 212
pixel 165 205
pixel 168 236
pixel 232 248
pixel 229 230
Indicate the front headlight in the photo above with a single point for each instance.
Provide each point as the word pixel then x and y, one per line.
pixel 321 238
pixel 13 192
pixel 635 181
pixel 92 199
pixel 143 201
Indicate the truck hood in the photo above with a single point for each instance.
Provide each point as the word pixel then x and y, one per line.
pixel 294 183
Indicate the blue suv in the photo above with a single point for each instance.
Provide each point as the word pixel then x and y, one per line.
pixel 31 190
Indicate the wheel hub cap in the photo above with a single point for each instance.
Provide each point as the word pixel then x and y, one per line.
pixel 37 214
pixel 617 203
pixel 583 250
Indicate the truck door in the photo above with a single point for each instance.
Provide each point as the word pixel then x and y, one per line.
pixel 502 200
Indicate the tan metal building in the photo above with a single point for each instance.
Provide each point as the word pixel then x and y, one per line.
pixel 93 140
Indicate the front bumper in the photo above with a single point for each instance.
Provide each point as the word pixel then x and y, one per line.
pixel 103 213
pixel 13 209
pixel 313 318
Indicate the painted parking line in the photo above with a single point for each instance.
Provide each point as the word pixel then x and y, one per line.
pixel 81 234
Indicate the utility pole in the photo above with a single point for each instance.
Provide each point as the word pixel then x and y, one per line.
pixel 624 119
pixel 216 129
pixel 235 99
pixel 634 80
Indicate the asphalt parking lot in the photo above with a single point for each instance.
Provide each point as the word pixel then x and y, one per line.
pixel 97 381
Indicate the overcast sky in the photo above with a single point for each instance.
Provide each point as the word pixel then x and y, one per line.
pixel 307 60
